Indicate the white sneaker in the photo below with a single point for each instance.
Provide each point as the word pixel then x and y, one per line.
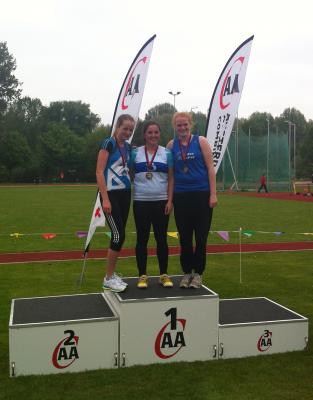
pixel 113 284
pixel 196 282
pixel 118 278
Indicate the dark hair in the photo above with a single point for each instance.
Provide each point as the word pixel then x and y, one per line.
pixel 149 123
pixel 121 119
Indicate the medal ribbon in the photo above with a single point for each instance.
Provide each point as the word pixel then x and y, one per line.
pixel 123 154
pixel 149 163
pixel 184 152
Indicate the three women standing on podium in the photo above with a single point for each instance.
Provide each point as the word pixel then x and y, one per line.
pixel 194 196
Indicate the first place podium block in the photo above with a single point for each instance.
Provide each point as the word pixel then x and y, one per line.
pixel 62 334
pixel 159 325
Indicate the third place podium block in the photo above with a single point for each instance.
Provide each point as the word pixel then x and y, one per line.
pixel 259 326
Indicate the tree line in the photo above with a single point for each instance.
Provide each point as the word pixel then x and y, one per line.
pixel 60 142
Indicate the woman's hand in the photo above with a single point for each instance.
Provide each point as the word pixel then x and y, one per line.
pixel 168 208
pixel 106 205
pixel 213 200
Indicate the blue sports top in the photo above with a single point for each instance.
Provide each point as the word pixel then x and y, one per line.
pixel 153 189
pixel 196 178
pixel 115 174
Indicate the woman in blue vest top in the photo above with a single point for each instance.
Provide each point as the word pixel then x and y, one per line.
pixel 194 197
pixel 114 185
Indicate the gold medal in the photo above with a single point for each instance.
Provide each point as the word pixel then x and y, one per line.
pixel 149 174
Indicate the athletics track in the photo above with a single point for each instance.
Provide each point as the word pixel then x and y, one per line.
pixel 277 196
pixel 48 256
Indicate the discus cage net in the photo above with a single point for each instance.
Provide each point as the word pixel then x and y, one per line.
pixel 248 157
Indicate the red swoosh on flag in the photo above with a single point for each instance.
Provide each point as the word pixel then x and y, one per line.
pixel 98 213
pixel 144 59
pixel 223 106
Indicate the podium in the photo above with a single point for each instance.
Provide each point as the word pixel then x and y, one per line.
pixel 62 333
pixel 161 325
pixel 74 333
pixel 259 326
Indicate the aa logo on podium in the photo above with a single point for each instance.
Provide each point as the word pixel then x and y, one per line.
pixel 66 351
pixel 170 338
pixel 265 341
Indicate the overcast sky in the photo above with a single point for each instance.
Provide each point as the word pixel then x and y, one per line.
pixel 82 49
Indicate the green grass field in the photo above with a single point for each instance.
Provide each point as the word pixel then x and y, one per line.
pixel 285 277
pixel 64 210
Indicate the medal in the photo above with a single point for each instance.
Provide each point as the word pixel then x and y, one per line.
pixel 149 163
pixel 123 156
pixel 183 153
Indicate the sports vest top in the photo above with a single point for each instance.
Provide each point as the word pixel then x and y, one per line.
pixel 190 175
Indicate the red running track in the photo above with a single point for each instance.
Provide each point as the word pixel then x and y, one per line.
pixel 277 196
pixel 7 258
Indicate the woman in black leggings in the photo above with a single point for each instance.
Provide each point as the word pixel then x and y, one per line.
pixel 153 194
pixel 115 189
pixel 194 197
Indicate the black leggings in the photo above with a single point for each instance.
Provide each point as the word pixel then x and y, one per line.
pixel 193 215
pixel 147 213
pixel 120 202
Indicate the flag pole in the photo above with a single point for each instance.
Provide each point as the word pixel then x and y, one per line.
pixel 82 274
pixel 232 168
pixel 240 231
